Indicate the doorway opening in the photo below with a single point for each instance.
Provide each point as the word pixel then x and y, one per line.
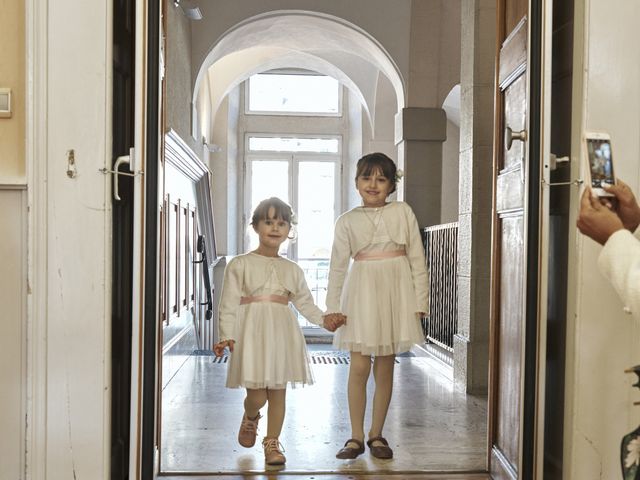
pixel 308 160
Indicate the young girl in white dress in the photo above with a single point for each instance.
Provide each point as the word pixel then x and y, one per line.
pixel 262 332
pixel 383 295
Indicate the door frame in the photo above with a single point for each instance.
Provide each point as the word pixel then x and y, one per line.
pixel 150 326
pixel 535 248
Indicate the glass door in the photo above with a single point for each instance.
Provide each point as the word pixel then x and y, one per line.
pixel 308 178
pixel 317 185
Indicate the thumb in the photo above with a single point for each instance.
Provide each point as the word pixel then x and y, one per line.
pixel 585 200
pixel 231 344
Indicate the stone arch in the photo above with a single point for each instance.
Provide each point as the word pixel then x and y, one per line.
pixel 311 40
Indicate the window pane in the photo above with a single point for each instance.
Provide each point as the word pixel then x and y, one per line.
pixel 316 215
pixel 288 144
pixel 293 93
pixel 269 178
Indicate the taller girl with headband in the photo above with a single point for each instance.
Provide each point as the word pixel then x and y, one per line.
pixel 257 325
pixel 383 295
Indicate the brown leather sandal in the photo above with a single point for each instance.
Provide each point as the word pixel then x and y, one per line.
pixel 380 451
pixel 349 453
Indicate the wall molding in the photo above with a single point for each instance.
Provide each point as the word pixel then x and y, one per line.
pixel 35 455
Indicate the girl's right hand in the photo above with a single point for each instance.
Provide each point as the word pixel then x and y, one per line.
pixel 219 347
pixel 333 321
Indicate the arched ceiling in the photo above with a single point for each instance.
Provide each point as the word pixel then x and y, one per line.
pixel 306 40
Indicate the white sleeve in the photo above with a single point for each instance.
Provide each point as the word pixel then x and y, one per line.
pixel 230 299
pixel 340 257
pixel 303 300
pixel 619 261
pixel 417 262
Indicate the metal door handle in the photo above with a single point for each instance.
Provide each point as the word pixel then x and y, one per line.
pixel 510 136
pixel 126 159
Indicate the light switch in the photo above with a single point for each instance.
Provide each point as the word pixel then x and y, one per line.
pixel 5 102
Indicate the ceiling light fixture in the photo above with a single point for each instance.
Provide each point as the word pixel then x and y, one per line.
pixel 189 9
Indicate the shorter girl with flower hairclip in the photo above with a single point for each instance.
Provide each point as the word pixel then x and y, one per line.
pixel 268 349
pixel 383 295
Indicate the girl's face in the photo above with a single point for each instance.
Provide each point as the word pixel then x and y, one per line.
pixel 272 231
pixel 374 188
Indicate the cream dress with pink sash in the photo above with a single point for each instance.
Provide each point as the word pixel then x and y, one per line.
pixel 378 298
pixel 270 349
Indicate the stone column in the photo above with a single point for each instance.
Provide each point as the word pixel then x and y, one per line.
pixel 471 342
pixel 420 133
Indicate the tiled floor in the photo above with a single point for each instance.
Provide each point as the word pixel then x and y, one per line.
pixel 431 426
pixel 334 476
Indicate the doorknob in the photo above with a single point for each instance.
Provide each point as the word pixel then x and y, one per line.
pixel 510 136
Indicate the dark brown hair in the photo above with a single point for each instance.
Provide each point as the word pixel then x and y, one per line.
pixel 281 210
pixel 377 161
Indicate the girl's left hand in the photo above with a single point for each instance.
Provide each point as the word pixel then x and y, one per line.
pixel 219 347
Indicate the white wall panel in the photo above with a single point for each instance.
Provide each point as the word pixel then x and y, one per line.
pixel 13 252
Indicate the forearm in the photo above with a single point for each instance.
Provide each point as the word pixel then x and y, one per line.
pixel 418 263
pixel 619 261
pixel 340 257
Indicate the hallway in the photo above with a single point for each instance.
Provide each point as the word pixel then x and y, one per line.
pixel 431 426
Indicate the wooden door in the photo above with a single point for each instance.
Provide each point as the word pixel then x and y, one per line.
pixel 510 242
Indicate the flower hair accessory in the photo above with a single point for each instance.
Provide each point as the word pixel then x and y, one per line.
pixel 399 174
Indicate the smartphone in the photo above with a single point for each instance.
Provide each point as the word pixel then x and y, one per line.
pixel 600 162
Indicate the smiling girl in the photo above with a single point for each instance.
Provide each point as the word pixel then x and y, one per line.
pixel 268 349
pixel 383 295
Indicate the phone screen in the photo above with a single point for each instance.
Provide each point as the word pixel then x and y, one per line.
pixel 600 161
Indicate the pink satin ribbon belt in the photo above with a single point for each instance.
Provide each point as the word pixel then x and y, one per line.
pixel 379 255
pixel 265 298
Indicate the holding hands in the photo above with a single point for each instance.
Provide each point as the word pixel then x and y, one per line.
pixel 333 321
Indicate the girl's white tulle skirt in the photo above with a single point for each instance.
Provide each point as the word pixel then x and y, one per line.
pixel 270 350
pixel 380 304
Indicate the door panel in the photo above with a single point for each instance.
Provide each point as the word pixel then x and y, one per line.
pixel 510 345
pixel 514 11
pixel 511 189
pixel 510 214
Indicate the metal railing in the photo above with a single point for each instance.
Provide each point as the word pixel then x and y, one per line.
pixel 441 251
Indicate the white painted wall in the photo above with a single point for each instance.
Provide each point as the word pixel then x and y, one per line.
pixel 386 21
pixel 602 340
pixel 13 245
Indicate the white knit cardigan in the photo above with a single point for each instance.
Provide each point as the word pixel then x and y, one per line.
pixel 354 231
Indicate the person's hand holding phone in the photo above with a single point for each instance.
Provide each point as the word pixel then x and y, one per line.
pixel 595 220
pixel 626 205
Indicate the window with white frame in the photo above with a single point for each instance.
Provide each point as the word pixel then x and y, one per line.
pixel 302 168
pixel 293 93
